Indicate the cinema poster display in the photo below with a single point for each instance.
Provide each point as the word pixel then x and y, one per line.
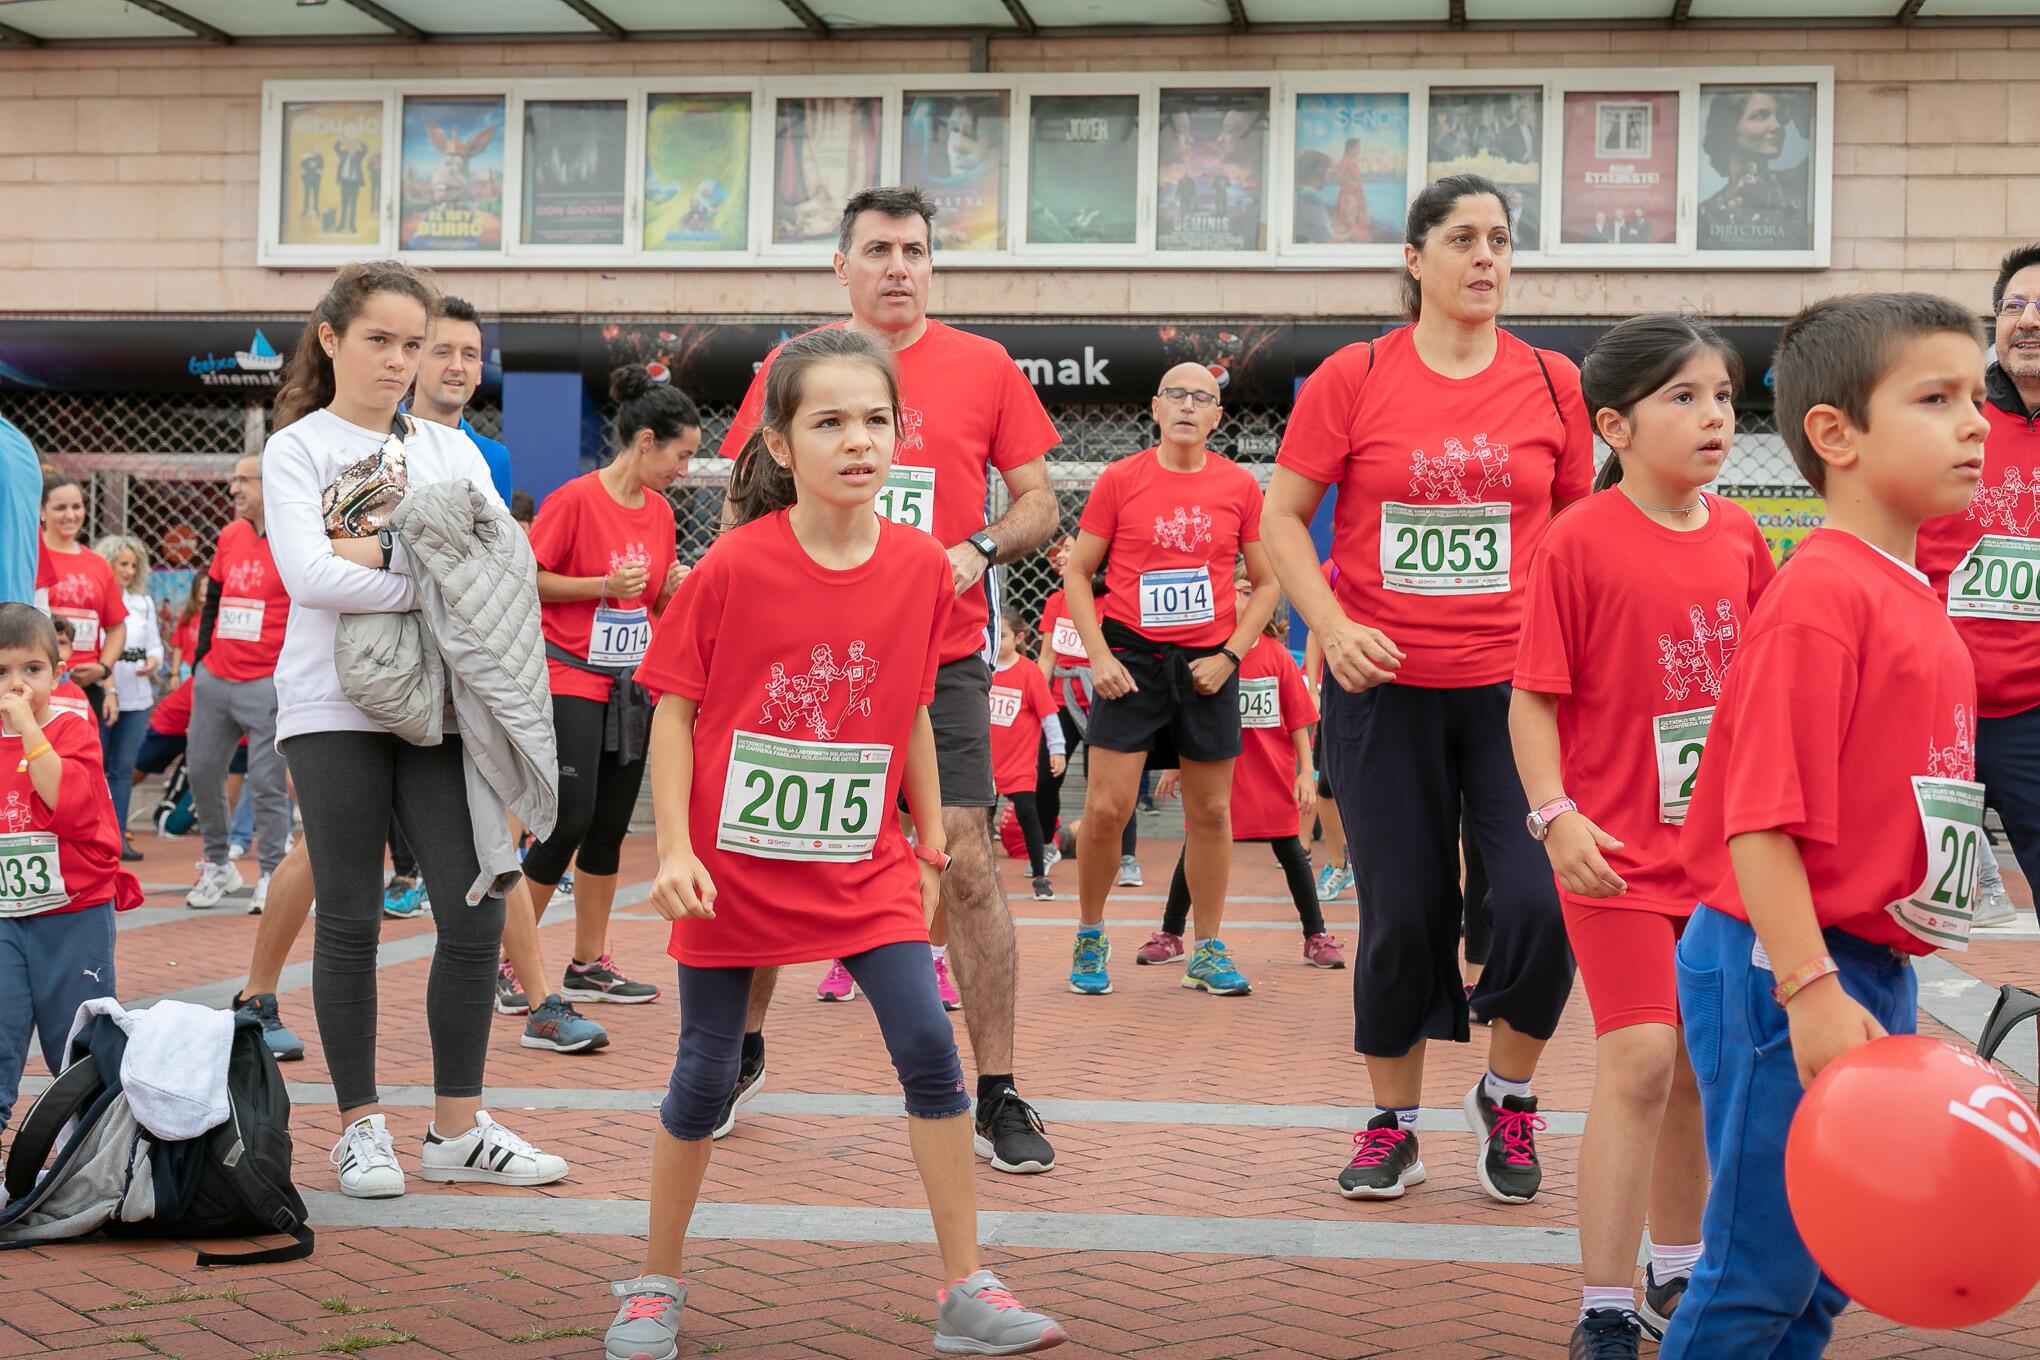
pixel 1352 178
pixel 1212 170
pixel 1083 169
pixel 1620 179
pixel 698 172
pixel 452 191
pixel 953 148
pixel 575 171
pixel 1756 167
pixel 332 174
pixel 1499 134
pixel 823 151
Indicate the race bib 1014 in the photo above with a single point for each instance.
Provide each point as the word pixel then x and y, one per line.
pixel 1177 598
pixel 617 638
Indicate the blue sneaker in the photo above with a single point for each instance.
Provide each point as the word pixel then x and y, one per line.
pixel 1332 880
pixel 556 1025
pixel 403 898
pixel 1088 958
pixel 283 1045
pixel 1211 968
pixel 565 887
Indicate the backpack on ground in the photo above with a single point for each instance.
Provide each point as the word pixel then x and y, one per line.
pixel 174 814
pixel 111 1175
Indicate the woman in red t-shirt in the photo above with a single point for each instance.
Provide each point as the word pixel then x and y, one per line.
pixel 82 589
pixel 1452 443
pixel 795 679
pixel 1616 682
pixel 607 566
pixel 184 638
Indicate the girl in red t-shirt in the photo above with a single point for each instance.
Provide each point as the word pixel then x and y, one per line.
pixel 184 638
pixel 607 568
pixel 795 677
pixel 1025 720
pixel 1616 681
pixel 82 590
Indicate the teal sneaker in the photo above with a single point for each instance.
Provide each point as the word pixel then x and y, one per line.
pixel 1088 958
pixel 1211 968
pixel 1332 880
pixel 403 898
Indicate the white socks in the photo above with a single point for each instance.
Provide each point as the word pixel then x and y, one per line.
pixel 1607 1296
pixel 1668 1263
pixel 1497 1087
pixel 1406 1118
pixel 940 951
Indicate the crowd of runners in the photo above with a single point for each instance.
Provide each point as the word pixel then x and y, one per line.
pixel 1551 717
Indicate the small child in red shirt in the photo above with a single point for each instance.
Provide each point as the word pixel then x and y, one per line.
pixel 1024 718
pixel 795 672
pixel 60 875
pixel 1837 823
pixel 1608 720
pixel 1272 788
pixel 65 694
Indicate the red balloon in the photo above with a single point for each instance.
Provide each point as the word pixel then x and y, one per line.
pixel 1913 1172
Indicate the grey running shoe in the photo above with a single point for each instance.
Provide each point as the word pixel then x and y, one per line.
pixel 1129 872
pixel 1993 905
pixel 555 1024
pixel 647 1323
pixel 980 1316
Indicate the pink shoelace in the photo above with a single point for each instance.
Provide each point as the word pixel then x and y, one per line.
pixel 1371 1147
pixel 1516 1129
pixel 1000 1297
pixel 643 1306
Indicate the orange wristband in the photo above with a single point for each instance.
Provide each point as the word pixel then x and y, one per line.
pixel 36 754
pixel 1804 976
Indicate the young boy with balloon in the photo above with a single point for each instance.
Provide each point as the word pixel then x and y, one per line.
pixel 1836 824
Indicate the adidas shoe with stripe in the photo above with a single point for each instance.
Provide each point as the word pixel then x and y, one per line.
pixel 488 1154
pixel 367 1161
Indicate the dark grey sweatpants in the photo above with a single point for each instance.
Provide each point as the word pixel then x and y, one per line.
pixel 349 784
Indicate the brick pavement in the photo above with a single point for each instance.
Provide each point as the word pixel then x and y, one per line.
pixel 1208 1193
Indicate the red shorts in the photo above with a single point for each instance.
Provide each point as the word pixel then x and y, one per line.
pixel 1626 958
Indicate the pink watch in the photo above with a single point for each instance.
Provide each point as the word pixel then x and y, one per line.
pixel 928 854
pixel 1540 821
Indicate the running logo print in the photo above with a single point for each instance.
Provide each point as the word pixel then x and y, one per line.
pixel 810 699
pixel 2012 505
pixel 1700 659
pixel 1185 531
pixel 245 577
pixel 910 431
pixel 1444 478
pixel 16 815
pixel 1957 761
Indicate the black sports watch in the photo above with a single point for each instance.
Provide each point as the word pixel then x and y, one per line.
pixel 984 543
pixel 389 546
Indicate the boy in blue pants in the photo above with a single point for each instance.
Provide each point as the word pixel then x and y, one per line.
pixel 1836 797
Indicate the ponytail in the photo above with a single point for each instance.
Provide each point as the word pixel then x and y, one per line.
pixel 308 383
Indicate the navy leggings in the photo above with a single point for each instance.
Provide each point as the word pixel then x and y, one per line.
pixel 898 980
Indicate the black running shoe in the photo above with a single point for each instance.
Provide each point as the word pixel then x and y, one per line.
pixel 1659 1301
pixel 603 981
pixel 1509 1170
pixel 1384 1161
pixel 283 1045
pixel 1606 1334
pixel 749 1079
pixel 1009 1132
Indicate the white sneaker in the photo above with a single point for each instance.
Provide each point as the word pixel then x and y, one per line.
pixel 214 882
pixel 236 850
pixel 260 897
pixel 1051 856
pixel 367 1161
pixel 488 1154
pixel 1129 872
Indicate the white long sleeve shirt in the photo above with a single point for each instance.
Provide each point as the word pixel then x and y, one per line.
pixel 137 693
pixel 298 463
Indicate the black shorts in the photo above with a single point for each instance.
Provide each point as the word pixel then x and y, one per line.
pixel 1409 765
pixel 961 715
pixel 1196 727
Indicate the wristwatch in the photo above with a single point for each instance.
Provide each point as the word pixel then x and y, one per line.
pixel 928 854
pixel 1540 821
pixel 984 543
pixel 389 546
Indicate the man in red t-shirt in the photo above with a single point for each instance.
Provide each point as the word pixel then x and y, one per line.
pixel 965 408
pixel 1985 564
pixel 233 695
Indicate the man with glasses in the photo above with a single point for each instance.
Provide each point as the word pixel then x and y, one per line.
pixel 233 695
pixel 1985 563
pixel 1168 525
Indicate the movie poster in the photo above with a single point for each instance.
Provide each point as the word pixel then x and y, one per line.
pixel 1352 168
pixel 574 172
pixel 1212 164
pixel 332 174
pixel 1083 169
pixel 1621 177
pixel 823 151
pixel 452 195
pixel 1497 133
pixel 1756 167
pixel 953 147
pixel 698 172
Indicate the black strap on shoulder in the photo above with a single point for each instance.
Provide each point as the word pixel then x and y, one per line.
pixel 1549 387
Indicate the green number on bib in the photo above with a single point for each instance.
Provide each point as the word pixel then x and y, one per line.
pixel 789 820
pixel 762 782
pixel 1489 545
pixel 855 797
pixel 1408 557
pixel 17 885
pixel 1960 846
pixel 1693 749
pixel 42 877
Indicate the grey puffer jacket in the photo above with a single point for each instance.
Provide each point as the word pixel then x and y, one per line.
pixel 474 637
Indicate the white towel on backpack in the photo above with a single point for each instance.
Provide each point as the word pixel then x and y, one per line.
pixel 175 1069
